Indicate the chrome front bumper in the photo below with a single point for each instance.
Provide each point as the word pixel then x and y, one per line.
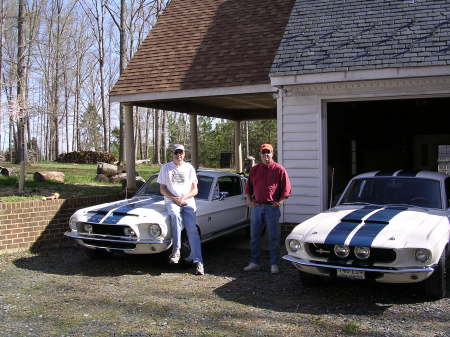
pixel 402 275
pixel 141 246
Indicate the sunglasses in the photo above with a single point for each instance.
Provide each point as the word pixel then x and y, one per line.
pixel 178 152
pixel 265 151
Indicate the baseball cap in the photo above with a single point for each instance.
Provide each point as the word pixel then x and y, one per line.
pixel 266 147
pixel 177 147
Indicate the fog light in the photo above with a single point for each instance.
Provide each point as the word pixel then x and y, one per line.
pixel 88 227
pixel 341 251
pixel 422 255
pixel 129 232
pixel 362 253
pixel 294 245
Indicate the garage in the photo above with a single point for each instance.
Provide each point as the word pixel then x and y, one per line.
pixel 385 135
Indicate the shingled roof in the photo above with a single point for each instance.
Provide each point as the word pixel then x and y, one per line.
pixel 342 35
pixel 207 44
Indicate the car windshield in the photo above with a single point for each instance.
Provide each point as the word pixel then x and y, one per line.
pixel 151 187
pixel 394 191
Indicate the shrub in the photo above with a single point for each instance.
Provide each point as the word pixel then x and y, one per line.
pixel 86 157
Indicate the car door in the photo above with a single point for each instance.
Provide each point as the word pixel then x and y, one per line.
pixel 227 204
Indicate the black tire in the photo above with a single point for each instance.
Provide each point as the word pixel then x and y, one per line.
pixel 97 254
pixel 436 285
pixel 311 279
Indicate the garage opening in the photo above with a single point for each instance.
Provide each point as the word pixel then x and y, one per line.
pixel 386 135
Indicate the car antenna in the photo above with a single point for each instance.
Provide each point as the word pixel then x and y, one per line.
pixel 332 186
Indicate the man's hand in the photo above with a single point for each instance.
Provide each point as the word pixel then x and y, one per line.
pixel 180 201
pixel 277 204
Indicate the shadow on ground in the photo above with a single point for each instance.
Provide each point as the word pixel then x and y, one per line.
pixel 225 258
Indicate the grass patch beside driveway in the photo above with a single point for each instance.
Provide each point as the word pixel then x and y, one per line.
pixel 62 293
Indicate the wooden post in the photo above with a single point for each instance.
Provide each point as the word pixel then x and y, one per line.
pixel 194 141
pixel 237 147
pixel 130 156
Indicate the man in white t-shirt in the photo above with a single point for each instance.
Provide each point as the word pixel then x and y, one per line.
pixel 178 183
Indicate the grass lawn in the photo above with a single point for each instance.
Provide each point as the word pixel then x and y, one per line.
pixel 79 181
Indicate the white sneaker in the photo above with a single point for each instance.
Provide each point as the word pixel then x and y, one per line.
pixel 199 270
pixel 274 269
pixel 175 257
pixel 252 267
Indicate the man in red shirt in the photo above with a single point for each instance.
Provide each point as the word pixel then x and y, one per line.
pixel 267 188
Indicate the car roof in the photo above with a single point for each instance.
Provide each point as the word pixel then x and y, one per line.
pixel 217 173
pixel 403 174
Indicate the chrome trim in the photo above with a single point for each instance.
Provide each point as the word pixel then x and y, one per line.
pixel 86 237
pixel 393 271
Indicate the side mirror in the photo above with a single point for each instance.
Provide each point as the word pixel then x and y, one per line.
pixel 223 195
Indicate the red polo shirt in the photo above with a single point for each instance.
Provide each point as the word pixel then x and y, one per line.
pixel 268 183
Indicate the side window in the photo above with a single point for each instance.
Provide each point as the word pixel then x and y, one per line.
pixel 231 185
pixel 447 191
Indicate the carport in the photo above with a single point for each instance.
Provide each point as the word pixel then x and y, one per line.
pixel 205 58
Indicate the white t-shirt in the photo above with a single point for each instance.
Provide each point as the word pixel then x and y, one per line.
pixel 178 179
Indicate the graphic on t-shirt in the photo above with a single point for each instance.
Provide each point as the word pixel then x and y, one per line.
pixel 178 177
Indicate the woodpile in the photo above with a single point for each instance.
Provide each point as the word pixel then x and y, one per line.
pixel 111 173
pixel 86 157
pixel 9 171
pixel 49 176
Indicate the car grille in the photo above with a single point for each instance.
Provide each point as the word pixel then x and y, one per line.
pixel 110 244
pixel 377 255
pixel 103 229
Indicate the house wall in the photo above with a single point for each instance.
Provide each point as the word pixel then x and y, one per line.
pixel 302 130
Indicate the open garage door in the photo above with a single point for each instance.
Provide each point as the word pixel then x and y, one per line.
pixel 385 135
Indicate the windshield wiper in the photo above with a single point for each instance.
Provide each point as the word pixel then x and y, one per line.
pixel 407 205
pixel 358 203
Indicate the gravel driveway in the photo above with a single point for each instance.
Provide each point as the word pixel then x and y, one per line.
pixel 62 293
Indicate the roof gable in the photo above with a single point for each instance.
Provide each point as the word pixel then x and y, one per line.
pixel 207 44
pixel 342 35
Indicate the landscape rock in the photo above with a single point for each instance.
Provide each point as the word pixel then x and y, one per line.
pixel 48 176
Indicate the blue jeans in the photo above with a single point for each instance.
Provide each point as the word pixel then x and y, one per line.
pixel 265 214
pixel 184 217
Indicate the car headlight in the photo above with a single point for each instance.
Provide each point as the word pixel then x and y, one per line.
pixel 422 255
pixel 73 223
pixel 294 245
pixel 154 230
pixel 362 253
pixel 341 251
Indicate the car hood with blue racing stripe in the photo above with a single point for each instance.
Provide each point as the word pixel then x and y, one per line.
pixel 123 210
pixel 371 226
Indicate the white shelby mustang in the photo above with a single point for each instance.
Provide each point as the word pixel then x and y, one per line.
pixel 140 225
pixel 390 227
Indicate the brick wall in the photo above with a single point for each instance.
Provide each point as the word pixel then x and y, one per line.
pixel 40 224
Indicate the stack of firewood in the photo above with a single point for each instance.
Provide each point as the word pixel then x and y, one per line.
pixel 115 174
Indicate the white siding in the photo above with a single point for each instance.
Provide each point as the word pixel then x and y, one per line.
pixel 301 145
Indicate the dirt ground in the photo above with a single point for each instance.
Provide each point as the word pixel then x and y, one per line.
pixel 63 293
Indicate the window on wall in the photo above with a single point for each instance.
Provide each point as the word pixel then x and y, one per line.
pixel 444 159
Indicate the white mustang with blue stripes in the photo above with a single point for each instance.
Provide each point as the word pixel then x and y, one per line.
pixel 140 225
pixel 390 227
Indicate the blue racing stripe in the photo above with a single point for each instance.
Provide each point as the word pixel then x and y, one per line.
pixel 348 223
pixel 99 213
pixel 121 212
pixel 373 225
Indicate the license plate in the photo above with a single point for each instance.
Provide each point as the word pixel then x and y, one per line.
pixel 351 274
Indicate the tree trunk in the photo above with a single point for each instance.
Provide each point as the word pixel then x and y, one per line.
pixel 21 96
